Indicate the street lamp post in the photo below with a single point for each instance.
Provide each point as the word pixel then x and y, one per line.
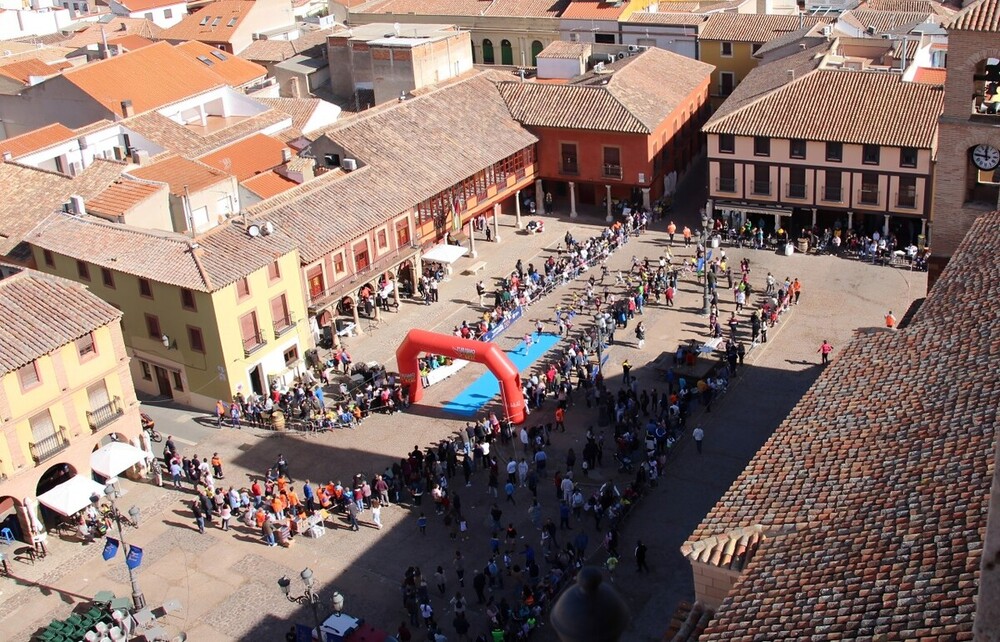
pixel 590 611
pixel 706 222
pixel 138 599
pixel 310 597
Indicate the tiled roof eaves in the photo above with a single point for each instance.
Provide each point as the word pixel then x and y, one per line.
pixel 983 15
pixel 569 107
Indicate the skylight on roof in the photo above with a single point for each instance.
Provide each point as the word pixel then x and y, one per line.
pixel 232 21
pixel 218 19
pixel 204 21
pixel 218 54
pixel 205 60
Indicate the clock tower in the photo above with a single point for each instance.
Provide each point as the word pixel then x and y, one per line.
pixel 967 174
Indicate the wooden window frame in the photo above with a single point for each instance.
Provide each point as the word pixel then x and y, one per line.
pixel 193 306
pixel 274 272
pixel 83 270
pixel 151 321
pixel 199 344
pixel 86 354
pixel 243 284
pixel 147 285
pixel 37 381
pixel 108 278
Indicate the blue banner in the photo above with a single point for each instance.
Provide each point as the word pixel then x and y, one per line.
pixel 134 557
pixel 503 325
pixel 110 548
pixel 303 633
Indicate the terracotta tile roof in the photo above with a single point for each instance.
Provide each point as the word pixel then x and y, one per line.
pixel 40 313
pixel 633 96
pixel 886 466
pixel 268 184
pixel 29 194
pixel 131 42
pixel 24 69
pixel 331 209
pixel 248 157
pixel 113 27
pixel 731 550
pixel 150 77
pixel 676 17
pixel 179 172
pixel 930 76
pixel 20 52
pixel 983 15
pixel 146 5
pixel 594 10
pixel 208 263
pixel 508 8
pixel 233 70
pixel 885 21
pixel 688 622
pixel 309 40
pixel 564 49
pixel 752 27
pixel 179 139
pixel 916 6
pixel 843 106
pixel 224 18
pixel 121 196
pixel 36 140
pixel 810 36
pixel 300 109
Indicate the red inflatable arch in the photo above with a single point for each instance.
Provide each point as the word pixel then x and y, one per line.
pixel 489 354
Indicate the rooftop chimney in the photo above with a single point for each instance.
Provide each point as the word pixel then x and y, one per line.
pixel 286 155
pixel 791 75
pixel 127 110
pixel 7 156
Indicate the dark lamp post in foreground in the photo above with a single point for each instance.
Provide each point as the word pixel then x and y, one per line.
pixel 310 598
pixel 590 611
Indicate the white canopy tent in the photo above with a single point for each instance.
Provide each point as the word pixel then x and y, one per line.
pixel 445 253
pixel 113 458
pixel 71 496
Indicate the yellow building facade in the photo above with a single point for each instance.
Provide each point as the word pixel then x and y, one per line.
pixel 65 388
pixel 227 316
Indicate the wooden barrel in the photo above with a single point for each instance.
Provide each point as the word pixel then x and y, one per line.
pixel 278 420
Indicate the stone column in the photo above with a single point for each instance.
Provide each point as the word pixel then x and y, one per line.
pixel 395 288
pixel 814 216
pixel 517 209
pixel 357 319
pixel 539 192
pixel 645 198
pixel 850 220
pixel 923 228
pixel 472 241
pixel 609 218
pixel 777 222
pixel 885 226
pixel 496 222
pixel 572 200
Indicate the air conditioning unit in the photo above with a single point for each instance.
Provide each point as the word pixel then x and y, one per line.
pixel 349 164
pixel 75 168
pixel 574 37
pixel 633 48
pixel 121 153
pixel 621 55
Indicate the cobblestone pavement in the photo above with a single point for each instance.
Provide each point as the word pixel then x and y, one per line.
pixel 227 582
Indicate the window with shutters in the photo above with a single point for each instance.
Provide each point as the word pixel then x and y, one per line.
pixel 253 340
pixel 107 278
pixel 153 327
pixel 280 316
pixel 85 347
pixel 402 233
pixel 145 288
pixel 103 409
pixel 28 376
pixel 46 439
pixel 196 339
pixel 242 289
pixel 273 272
pixel 187 300
pixel 83 270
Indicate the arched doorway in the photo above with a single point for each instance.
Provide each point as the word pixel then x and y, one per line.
pixel 488 354
pixel 55 475
pixel 405 278
pixel 506 53
pixel 8 516
pixel 488 58
pixel 536 48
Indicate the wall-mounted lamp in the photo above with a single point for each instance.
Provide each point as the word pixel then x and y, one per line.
pixel 168 343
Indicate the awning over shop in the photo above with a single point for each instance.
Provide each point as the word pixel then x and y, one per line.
pixel 113 458
pixel 71 496
pixel 445 253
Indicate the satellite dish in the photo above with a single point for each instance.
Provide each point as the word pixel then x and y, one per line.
pixel 253 231
pixel 268 228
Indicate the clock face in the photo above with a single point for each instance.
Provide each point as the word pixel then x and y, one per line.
pixel 986 157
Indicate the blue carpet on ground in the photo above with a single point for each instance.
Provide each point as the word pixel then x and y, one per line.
pixel 482 390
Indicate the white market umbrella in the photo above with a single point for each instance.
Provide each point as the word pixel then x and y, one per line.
pixel 113 458
pixel 71 496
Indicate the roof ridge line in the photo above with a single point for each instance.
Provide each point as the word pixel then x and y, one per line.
pixel 764 95
pixel 201 268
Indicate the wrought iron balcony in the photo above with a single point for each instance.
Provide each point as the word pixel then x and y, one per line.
pixel 612 171
pixel 282 326
pixel 726 184
pixel 869 195
pixel 253 344
pixel 762 188
pixel 103 415
pixel 49 446
pixel 906 199
pixel 833 194
pixel 795 190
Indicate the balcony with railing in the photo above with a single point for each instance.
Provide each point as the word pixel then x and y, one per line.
pixel 101 416
pixel 762 188
pixel 725 185
pixel 283 326
pixel 795 190
pixel 253 343
pixel 907 199
pixel 612 171
pixel 50 446
pixel 346 283
pixel 869 195
pixel 833 194
pixel 569 166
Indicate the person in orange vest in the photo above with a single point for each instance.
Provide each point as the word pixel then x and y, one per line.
pixel 796 290
pixel 890 321
pixel 561 419
pixel 671 230
pixel 217 466
pixel 220 413
pixel 687 236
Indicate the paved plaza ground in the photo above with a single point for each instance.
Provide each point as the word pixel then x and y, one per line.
pixel 227 581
